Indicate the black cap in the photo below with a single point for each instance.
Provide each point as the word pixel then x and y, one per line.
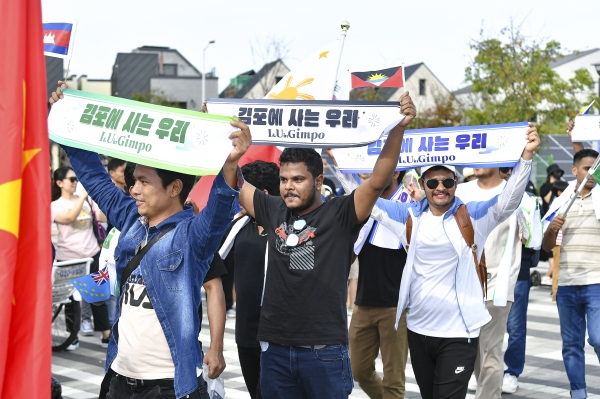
pixel 555 170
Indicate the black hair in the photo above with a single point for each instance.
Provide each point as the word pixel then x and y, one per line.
pixel 129 178
pixel 59 174
pixel 585 153
pixel 559 185
pixel 262 175
pixel 308 156
pixel 167 177
pixel 114 163
pixel 401 176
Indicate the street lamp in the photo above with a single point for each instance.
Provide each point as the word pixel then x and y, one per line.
pixel 204 71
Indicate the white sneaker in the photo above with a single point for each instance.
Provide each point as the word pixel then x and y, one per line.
pixel 86 328
pixel 230 314
pixel 510 384
pixel 472 383
pixel 74 345
pixel 546 280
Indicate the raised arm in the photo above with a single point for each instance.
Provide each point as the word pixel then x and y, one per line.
pixel 489 214
pixel 576 146
pixel 369 191
pixel 208 227
pixel 392 215
pixel 68 217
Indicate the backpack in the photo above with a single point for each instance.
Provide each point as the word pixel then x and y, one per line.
pixel 466 229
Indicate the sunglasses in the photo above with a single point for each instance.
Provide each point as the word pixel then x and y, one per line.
pixel 72 178
pixel 505 170
pixel 432 184
pixel 293 239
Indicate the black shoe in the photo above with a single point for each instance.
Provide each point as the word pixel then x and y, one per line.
pixel 104 342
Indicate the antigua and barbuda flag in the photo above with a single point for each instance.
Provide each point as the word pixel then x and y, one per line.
pixel 390 77
pixel 59 38
pixel 93 287
pixel 586 110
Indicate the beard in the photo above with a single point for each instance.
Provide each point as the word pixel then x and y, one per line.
pixel 306 204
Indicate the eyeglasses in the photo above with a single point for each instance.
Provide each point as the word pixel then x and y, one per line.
pixel 72 178
pixel 432 184
pixel 293 239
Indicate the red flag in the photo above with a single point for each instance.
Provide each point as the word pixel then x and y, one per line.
pixel 265 153
pixel 25 253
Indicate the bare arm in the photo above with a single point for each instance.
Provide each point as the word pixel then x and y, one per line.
pixel 367 193
pixel 70 216
pixel 576 146
pixel 241 140
pixel 549 241
pixel 215 309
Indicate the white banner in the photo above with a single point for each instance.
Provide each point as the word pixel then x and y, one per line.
pixel 167 138
pixel 315 124
pixel 488 146
pixel 587 128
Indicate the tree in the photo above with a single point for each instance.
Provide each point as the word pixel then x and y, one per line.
pixel 264 52
pixel 157 97
pixel 444 113
pixel 513 81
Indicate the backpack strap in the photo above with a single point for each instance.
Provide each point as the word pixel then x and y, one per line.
pixel 409 226
pixel 468 232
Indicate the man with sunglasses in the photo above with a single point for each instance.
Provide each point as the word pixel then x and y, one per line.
pixel 303 328
pixel 503 253
pixel 440 286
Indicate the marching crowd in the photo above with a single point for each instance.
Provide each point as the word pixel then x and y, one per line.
pixel 443 272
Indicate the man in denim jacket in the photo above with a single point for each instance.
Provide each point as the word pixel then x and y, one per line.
pixel 154 348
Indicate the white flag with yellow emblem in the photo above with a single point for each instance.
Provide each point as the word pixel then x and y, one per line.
pixel 313 79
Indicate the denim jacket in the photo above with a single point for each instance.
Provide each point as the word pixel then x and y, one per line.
pixel 175 266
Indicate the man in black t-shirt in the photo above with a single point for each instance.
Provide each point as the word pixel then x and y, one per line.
pixel 303 323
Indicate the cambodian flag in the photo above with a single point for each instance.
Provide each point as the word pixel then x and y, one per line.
pixel 58 38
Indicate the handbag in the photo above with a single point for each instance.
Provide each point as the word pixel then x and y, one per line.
pixel 99 230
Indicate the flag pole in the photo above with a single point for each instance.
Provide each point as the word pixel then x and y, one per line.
pixel 345 26
pixel 574 196
pixel 67 74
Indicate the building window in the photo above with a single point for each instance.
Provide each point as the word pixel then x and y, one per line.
pixel 170 69
pixel 421 87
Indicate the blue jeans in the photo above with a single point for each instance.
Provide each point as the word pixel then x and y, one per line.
pixel 297 373
pixel 516 326
pixel 575 304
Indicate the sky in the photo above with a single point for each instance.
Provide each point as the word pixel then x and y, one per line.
pixel 382 34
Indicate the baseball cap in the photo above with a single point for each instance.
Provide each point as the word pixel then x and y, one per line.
pixel 449 167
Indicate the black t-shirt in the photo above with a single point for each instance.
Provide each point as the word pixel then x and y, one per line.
pixel 379 275
pixel 248 255
pixel 306 285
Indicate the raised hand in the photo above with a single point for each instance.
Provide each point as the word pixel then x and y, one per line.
pixel 533 141
pixel 407 108
pixel 241 140
pixel 57 95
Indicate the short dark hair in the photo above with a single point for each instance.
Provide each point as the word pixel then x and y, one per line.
pixel 114 163
pixel 167 177
pixel 59 174
pixel 129 177
pixel 308 156
pixel 585 153
pixel 262 175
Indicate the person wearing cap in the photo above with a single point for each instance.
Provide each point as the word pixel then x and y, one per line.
pixel 440 286
pixel 468 175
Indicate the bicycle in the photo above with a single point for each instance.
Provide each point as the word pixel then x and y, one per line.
pixel 66 301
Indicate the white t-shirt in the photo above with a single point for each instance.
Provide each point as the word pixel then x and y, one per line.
pixel 143 349
pixel 433 306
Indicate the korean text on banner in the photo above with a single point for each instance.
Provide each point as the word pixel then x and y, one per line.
pixel 314 124
pixel 587 128
pixel 475 146
pixel 152 135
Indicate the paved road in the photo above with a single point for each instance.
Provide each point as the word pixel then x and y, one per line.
pixel 80 371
